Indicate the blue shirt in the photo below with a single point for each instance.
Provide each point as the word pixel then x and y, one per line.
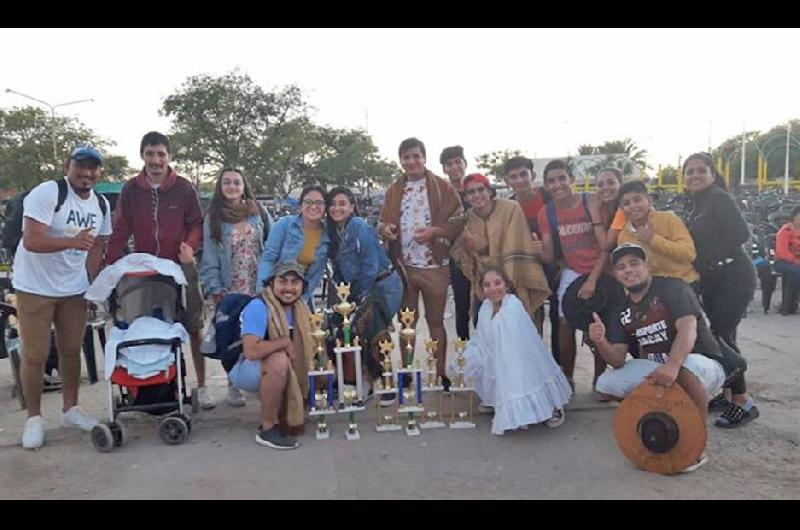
pixel 254 318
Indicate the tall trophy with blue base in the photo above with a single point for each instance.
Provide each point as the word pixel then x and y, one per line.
pixel 351 400
pixel 463 417
pixel 383 386
pixel 409 377
pixel 432 419
pixel 320 380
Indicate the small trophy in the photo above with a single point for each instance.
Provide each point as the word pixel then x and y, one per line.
pixel 461 419
pixel 433 416
pixel 385 385
pixel 409 399
pixel 320 401
pixel 352 399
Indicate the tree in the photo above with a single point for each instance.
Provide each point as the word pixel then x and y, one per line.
pixel 26 145
pixel 622 154
pixel 492 163
pixel 349 157
pixel 116 168
pixel 228 121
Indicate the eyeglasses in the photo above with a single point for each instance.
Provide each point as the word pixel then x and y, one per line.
pixel 475 191
pixel 314 204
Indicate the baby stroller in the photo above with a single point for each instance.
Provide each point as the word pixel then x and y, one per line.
pixel 144 306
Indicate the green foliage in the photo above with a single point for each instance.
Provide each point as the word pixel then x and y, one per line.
pixel 622 154
pixel 26 145
pixel 492 163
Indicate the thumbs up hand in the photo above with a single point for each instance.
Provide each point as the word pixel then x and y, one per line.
pixel 597 330
pixel 538 246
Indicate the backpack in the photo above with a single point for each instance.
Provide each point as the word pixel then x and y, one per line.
pixel 552 220
pixel 228 328
pixel 12 230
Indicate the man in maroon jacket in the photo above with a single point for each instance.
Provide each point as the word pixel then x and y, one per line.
pixel 161 210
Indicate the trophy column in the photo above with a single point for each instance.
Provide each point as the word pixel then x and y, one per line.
pixel 433 416
pixel 350 400
pixel 409 399
pixel 320 401
pixel 461 419
pixel 385 385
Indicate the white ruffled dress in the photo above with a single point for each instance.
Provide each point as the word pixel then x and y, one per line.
pixel 512 368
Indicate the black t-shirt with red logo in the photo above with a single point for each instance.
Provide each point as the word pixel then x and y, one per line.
pixel 651 322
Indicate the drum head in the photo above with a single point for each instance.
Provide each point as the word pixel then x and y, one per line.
pixel 660 429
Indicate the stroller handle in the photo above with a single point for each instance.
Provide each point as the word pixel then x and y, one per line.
pixel 174 342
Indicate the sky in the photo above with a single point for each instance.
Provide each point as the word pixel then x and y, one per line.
pixel 542 91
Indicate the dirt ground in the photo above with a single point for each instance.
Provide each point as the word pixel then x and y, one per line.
pixel 578 460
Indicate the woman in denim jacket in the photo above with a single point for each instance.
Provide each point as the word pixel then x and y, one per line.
pixel 233 239
pixel 302 239
pixel 359 259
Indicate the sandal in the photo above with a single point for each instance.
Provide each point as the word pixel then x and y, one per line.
pixel 735 416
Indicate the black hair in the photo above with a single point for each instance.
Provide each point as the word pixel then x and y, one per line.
pixel 500 272
pixel 153 138
pixel 333 234
pixel 448 153
pixel 557 164
pixel 708 161
pixel 411 143
pixel 517 161
pixel 795 212
pixel 616 172
pixel 313 187
pixel 634 186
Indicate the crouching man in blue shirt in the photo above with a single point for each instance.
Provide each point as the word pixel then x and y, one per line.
pixel 272 353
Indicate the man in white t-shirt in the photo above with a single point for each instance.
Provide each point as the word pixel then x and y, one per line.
pixel 60 252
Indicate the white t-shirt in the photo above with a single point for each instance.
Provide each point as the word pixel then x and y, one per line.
pixel 63 273
pixel 415 212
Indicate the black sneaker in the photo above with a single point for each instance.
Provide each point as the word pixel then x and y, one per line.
pixel 718 403
pixel 735 416
pixel 446 385
pixel 275 438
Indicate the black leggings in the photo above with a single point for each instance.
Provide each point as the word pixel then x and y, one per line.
pixel 725 294
pixel 461 299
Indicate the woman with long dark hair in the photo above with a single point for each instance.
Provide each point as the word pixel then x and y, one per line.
pixel 727 276
pixel 301 238
pixel 234 230
pixel 359 259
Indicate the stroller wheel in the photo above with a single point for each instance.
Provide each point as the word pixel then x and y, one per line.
pixel 173 430
pixel 120 433
pixel 102 438
pixel 187 420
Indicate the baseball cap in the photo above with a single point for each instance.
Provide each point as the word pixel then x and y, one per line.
pixel 624 250
pixel 282 269
pixel 85 151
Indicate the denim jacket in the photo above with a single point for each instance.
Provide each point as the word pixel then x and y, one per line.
pixel 215 273
pixel 284 244
pixel 360 258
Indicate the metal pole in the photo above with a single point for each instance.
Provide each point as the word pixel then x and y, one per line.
pixel 786 167
pixel 741 174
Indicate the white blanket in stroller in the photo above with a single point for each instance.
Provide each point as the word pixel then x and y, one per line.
pixel 142 362
pixel 109 277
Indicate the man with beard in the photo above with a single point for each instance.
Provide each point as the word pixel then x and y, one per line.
pixel 276 349
pixel 63 237
pixel 664 317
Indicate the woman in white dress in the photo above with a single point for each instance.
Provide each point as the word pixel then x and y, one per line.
pixel 512 369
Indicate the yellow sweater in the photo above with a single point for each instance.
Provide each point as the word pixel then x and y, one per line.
pixel 671 252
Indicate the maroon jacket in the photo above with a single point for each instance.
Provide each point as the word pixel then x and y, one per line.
pixel 179 217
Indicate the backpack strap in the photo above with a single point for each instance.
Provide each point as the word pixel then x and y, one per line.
pixel 62 193
pixel 552 220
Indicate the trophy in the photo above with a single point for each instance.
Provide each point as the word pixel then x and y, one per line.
pixel 410 398
pixel 351 399
pixel 320 401
pixel 385 385
pixel 462 419
pixel 432 418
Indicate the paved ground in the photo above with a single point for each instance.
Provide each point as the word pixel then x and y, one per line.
pixel 578 460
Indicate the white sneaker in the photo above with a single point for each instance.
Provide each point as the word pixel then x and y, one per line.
pixel 33 435
pixel 205 399
pixel 77 418
pixel 703 460
pixel 557 420
pixel 235 397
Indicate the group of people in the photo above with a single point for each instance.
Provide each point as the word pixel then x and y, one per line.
pixel 504 258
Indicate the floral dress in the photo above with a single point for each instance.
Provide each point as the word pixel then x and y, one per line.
pixel 244 260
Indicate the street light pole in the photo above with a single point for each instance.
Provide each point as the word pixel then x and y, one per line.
pixel 52 114
pixel 786 167
pixel 741 172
